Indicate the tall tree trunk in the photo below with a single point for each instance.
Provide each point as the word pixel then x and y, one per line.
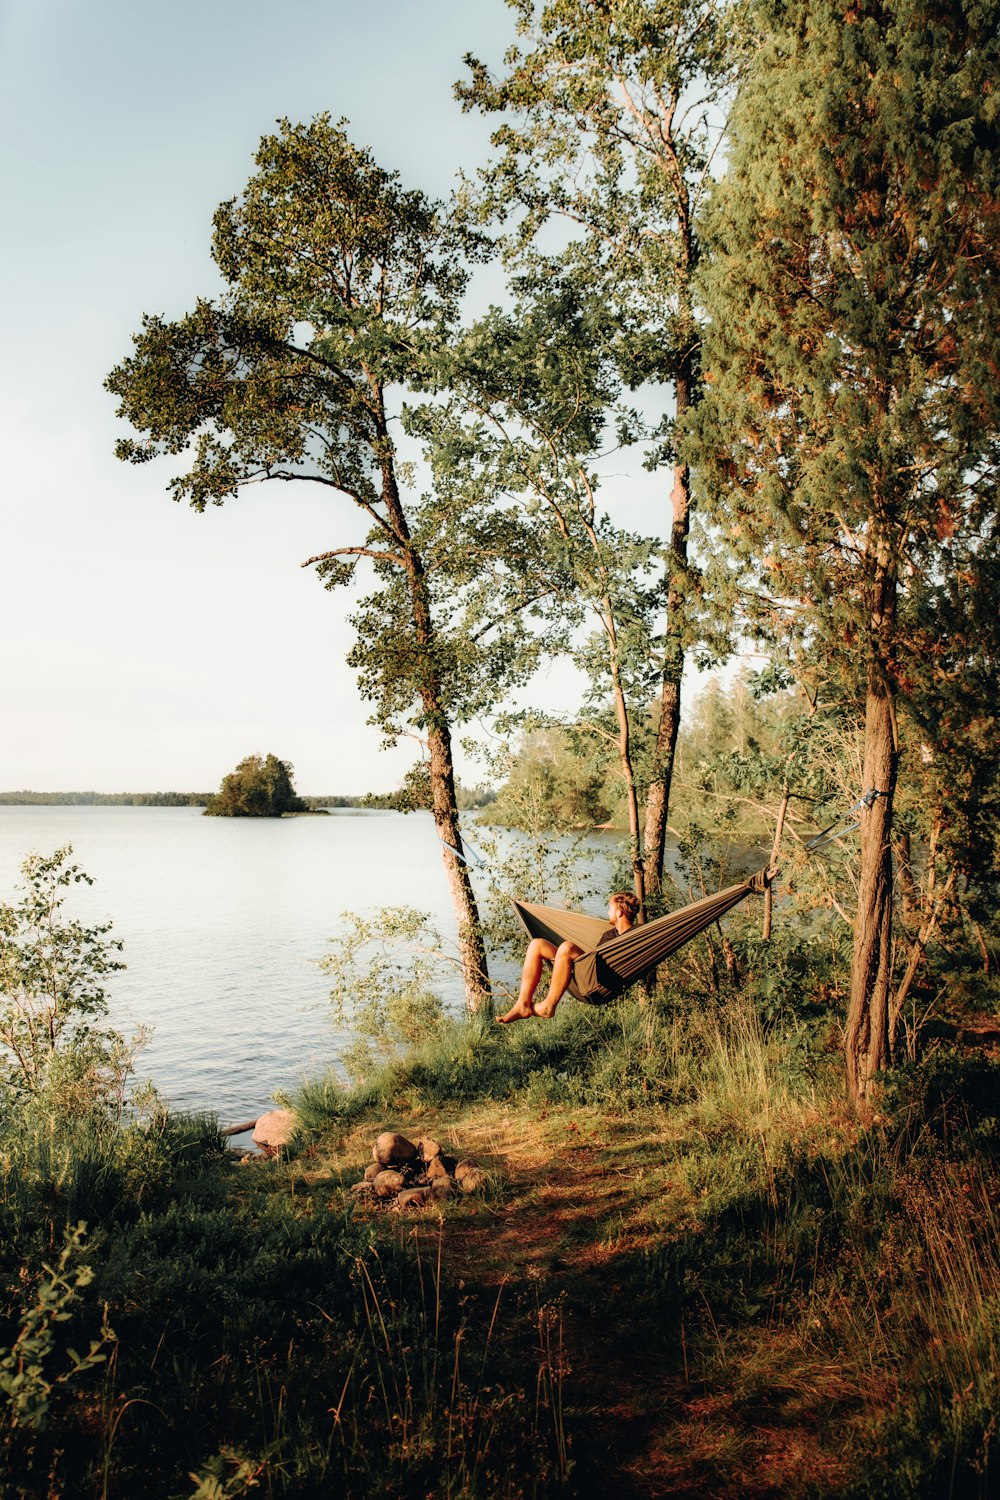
pixel 779 829
pixel 984 951
pixel 662 769
pixel 867 1040
pixel 903 861
pixel 625 758
pixel 472 948
pixel 445 805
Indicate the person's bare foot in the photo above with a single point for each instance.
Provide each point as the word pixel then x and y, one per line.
pixel 545 1011
pixel 518 1012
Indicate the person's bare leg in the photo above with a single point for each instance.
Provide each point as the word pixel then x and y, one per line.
pixel 562 973
pixel 540 952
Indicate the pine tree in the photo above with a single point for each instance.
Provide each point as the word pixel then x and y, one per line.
pixel 851 435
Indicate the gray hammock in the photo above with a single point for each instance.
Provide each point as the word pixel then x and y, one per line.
pixel 601 974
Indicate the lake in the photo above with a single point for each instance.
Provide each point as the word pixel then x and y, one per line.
pixel 223 920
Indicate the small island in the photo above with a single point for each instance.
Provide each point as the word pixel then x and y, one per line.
pixel 260 787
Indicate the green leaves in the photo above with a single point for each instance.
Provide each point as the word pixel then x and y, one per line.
pixel 260 787
pixel 851 288
pixel 37 1365
pixel 52 974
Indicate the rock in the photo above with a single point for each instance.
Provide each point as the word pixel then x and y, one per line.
pixel 274 1130
pixel 372 1171
pixel 436 1170
pixel 363 1189
pixel 469 1177
pixel 414 1198
pixel 429 1149
pixel 441 1187
pixel 387 1184
pixel 392 1150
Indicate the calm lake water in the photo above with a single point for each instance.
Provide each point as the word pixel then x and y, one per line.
pixel 222 921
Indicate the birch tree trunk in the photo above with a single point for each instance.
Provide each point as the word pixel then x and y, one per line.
pixel 662 769
pixel 444 800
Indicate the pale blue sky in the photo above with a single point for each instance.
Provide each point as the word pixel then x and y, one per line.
pixel 146 646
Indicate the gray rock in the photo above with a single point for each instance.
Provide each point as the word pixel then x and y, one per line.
pixel 429 1149
pixel 392 1150
pixel 436 1170
pixel 387 1184
pixel 469 1177
pixel 363 1190
pixel 372 1170
pixel 441 1187
pixel 416 1197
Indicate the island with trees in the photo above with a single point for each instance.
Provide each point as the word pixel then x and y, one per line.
pixel 259 787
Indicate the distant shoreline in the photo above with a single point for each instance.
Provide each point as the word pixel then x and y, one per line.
pixel 145 799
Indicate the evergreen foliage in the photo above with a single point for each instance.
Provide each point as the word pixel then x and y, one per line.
pixel 851 435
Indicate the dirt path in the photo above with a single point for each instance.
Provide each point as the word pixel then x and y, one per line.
pixel 576 1209
pixel 568 1226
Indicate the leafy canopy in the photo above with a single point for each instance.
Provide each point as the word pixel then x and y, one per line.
pixel 260 787
pixel 336 328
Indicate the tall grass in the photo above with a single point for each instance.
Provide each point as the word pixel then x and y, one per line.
pixel 924 1321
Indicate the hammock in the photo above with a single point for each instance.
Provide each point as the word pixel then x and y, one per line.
pixel 603 973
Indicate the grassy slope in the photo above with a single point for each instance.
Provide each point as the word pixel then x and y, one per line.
pixel 690 1274
pixel 752 1298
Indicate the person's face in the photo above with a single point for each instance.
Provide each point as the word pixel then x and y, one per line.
pixel 612 911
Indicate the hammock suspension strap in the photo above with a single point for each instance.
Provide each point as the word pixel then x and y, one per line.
pixel 835 831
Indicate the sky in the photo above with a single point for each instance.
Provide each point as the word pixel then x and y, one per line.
pixel 148 647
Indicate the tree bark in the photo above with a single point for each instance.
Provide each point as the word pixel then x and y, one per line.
pixel 917 949
pixel 625 757
pixel 984 951
pixel 903 861
pixel 662 769
pixel 444 802
pixel 867 1040
pixel 779 829
pixel 445 806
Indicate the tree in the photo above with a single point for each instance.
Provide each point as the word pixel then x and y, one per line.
pixel 260 787
pixel 535 397
pixel 850 438
pixel 612 113
pixel 342 298
pixel 52 973
pixel 555 781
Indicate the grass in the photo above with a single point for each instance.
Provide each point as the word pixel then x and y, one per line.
pixel 690 1273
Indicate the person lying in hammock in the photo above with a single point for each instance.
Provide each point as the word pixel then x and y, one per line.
pixel 623 908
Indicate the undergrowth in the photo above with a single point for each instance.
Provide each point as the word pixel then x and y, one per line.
pixel 175 1324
